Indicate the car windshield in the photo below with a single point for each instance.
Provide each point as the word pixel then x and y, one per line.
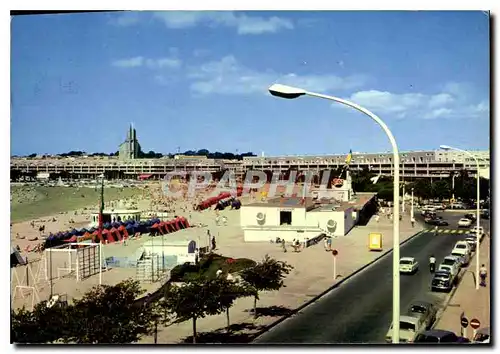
pixel 405 262
pixel 405 326
pixel 442 276
pixel 460 246
pixel 456 255
pixel 449 261
pixel 418 309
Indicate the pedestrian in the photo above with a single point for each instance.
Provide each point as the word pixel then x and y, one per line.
pixel 483 274
pixel 329 241
pixel 412 221
pixel 218 273
pixel 214 245
pixel 377 218
pixel 283 245
pixel 326 243
pixel 432 263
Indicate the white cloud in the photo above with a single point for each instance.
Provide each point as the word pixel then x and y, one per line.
pixel 452 103
pixel 243 23
pixel 129 63
pixel 125 19
pixel 228 76
pixel 149 63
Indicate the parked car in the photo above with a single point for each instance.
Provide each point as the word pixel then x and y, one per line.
pixel 442 280
pixel 409 328
pixel 472 241
pixel 463 259
pixel 452 263
pixel 473 230
pixel 450 268
pixel 485 214
pixel 408 265
pixel 439 336
pixel 462 247
pixel 482 335
pixel 425 310
pixel 464 222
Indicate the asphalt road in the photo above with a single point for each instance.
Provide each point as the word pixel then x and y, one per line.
pixel 452 218
pixel 360 309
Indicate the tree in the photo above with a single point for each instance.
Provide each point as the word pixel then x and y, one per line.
pixel 195 299
pixel 110 314
pixel 229 292
pixel 266 275
pixel 42 325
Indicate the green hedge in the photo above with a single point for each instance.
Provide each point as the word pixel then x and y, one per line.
pixel 208 266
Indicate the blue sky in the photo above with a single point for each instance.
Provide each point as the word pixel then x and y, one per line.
pixel 199 80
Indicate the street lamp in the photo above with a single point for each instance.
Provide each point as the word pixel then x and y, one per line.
pixel 288 92
pixel 478 210
pixel 412 210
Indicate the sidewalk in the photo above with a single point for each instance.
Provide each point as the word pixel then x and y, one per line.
pixel 312 275
pixel 473 303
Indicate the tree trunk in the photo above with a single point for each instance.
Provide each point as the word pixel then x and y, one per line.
pixel 194 330
pixel 255 307
pixel 228 322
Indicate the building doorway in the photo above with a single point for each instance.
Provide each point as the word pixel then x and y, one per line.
pixel 285 218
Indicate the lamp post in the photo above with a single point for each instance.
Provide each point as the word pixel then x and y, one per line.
pixel 292 92
pixel 412 210
pixel 478 210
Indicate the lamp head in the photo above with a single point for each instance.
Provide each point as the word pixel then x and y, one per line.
pixel 285 91
pixel 445 147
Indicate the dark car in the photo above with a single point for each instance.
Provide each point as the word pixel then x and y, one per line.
pixel 470 216
pixel 485 214
pixel 438 222
pixel 439 336
pixel 442 281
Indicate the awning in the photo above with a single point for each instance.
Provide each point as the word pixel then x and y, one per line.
pixel 142 177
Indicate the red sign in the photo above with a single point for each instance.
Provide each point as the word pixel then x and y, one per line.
pixel 335 252
pixel 474 323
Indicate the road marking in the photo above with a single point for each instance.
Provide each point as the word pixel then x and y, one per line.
pixel 453 231
pixel 446 231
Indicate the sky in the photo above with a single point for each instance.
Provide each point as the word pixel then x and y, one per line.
pixel 199 80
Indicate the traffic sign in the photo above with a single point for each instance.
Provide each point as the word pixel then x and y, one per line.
pixel 464 322
pixel 474 323
pixel 335 252
pixel 452 200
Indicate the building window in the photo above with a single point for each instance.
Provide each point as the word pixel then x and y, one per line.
pixel 285 218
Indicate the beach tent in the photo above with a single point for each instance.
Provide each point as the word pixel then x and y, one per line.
pixel 71 239
pixel 123 230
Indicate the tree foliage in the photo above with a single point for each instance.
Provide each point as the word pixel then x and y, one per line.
pixel 193 300
pixel 104 315
pixel 267 275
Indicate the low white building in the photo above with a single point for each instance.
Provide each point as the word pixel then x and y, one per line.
pixel 333 212
pixel 181 245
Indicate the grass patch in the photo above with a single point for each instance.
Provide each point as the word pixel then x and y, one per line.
pixel 38 201
pixel 208 266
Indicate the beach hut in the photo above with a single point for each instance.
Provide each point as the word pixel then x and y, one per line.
pixel 123 230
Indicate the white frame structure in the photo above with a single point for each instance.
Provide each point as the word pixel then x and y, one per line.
pixel 67 248
pixel 23 284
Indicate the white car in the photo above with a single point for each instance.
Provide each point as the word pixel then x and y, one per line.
pixel 462 247
pixel 408 265
pixel 464 259
pixel 481 231
pixel 450 264
pixel 464 222
pixel 409 328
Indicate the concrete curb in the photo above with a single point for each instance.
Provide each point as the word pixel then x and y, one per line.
pixel 334 286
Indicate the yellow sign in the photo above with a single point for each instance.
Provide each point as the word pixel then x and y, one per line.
pixel 452 200
pixel 375 241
